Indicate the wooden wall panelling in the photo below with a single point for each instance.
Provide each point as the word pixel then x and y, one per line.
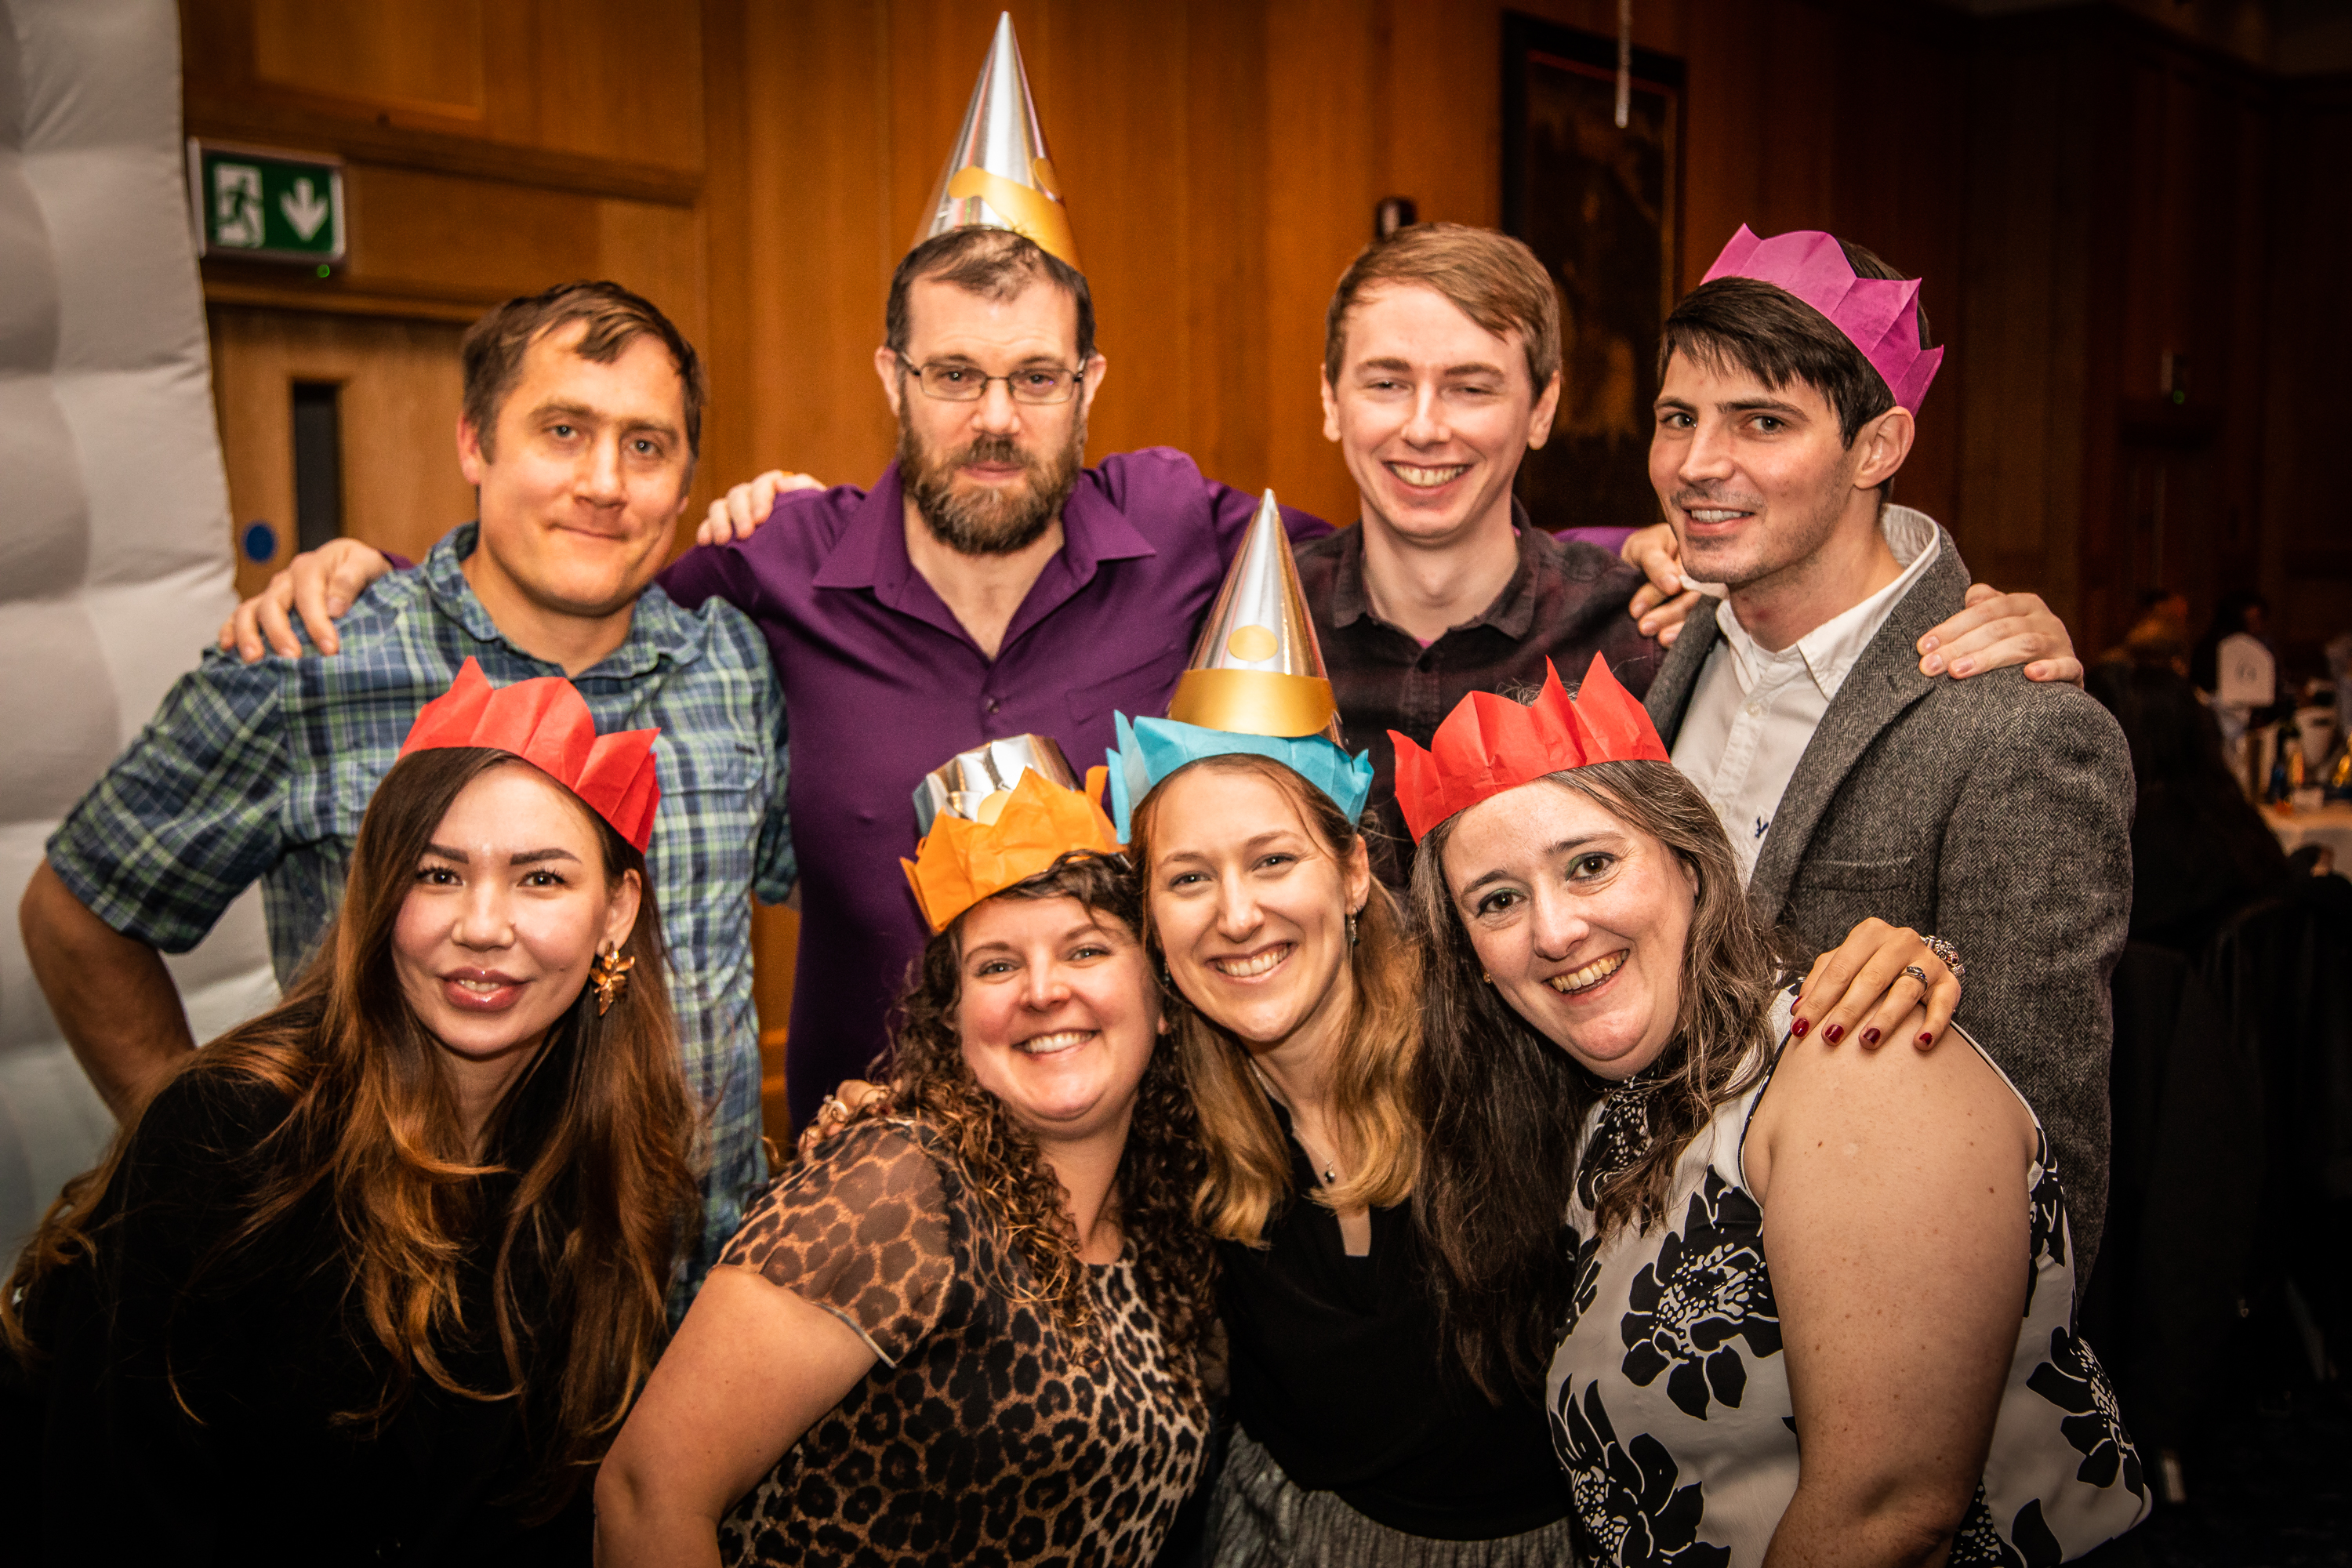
pixel 574 83
pixel 2306 547
pixel 1229 106
pixel 402 488
pixel 1326 169
pixel 1117 75
pixel 2024 277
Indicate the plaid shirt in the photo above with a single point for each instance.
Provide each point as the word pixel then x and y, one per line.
pixel 262 772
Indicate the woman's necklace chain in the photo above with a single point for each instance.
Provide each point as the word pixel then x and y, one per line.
pixel 1329 1174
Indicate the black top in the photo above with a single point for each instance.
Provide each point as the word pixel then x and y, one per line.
pixel 1339 1371
pixel 100 1463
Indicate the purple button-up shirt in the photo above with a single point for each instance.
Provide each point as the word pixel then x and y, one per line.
pixel 882 684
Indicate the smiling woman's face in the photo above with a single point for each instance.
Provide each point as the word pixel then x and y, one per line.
pixel 1057 1014
pixel 1579 921
pixel 1250 904
pixel 507 908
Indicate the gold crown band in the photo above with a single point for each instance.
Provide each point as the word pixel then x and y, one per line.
pixel 1028 212
pixel 1253 702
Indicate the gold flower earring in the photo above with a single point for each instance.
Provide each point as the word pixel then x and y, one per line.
pixel 610 974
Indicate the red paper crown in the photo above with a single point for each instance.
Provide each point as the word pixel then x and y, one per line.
pixel 546 723
pixel 1490 744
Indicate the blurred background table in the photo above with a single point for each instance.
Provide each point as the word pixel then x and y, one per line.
pixel 2330 826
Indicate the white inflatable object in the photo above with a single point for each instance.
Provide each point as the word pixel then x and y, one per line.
pixel 114 561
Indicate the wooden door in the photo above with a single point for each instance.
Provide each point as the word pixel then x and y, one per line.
pixel 390 392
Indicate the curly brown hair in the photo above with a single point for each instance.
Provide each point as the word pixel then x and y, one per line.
pixel 1158 1173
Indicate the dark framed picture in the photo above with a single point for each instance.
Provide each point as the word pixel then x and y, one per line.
pixel 1602 207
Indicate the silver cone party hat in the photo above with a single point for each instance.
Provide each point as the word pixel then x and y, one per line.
pixel 999 173
pixel 1258 669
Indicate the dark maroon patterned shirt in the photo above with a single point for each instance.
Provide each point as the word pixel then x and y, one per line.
pixel 1567 602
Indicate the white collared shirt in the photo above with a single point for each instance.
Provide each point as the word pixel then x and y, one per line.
pixel 1753 713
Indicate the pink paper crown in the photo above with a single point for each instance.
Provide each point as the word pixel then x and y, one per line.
pixel 1881 315
pixel 545 722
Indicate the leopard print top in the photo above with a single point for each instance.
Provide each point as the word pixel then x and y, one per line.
pixel 983 1433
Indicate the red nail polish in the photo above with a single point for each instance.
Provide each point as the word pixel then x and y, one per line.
pixel 1925 1038
pixel 1870 1036
pixel 1835 1033
pixel 1798 1026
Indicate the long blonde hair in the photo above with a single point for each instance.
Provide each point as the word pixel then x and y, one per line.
pixel 1372 1077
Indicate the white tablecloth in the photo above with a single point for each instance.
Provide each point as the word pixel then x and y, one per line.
pixel 2331 826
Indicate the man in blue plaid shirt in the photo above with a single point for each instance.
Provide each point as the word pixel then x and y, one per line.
pixel 582 423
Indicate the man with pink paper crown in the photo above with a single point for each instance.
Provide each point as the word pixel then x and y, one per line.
pixel 1994 812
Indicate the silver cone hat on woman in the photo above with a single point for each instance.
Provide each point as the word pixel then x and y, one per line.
pixel 999 173
pixel 1256 686
pixel 1258 669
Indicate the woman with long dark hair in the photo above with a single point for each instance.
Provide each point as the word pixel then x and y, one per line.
pixel 1815 1302
pixel 375 1276
pixel 963 1330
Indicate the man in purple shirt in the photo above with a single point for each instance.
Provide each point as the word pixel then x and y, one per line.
pixel 987 585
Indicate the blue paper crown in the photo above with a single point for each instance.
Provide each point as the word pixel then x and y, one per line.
pixel 1151 749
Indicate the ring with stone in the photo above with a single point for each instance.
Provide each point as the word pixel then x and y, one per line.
pixel 1916 972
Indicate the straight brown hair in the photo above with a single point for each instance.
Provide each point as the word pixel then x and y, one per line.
pixel 493 349
pixel 1373 1081
pixel 598 1130
pixel 993 263
pixel 1493 279
pixel 1506 1107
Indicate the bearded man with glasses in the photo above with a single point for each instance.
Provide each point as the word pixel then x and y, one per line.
pixel 987 585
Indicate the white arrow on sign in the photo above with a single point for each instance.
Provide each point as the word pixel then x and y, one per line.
pixel 303 209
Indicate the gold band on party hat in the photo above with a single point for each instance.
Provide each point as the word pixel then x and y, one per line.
pixel 999 173
pixel 1258 669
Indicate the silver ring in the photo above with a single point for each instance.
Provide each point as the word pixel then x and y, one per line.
pixel 1916 972
pixel 1950 955
pixel 830 1103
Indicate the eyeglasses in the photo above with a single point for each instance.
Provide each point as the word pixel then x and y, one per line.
pixel 952 382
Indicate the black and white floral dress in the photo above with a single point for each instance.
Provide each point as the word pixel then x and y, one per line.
pixel 1669 1396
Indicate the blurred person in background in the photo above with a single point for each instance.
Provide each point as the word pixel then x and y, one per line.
pixel 2199 849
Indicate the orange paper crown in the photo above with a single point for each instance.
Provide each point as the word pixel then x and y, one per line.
pixel 546 723
pixel 1490 744
pixel 963 861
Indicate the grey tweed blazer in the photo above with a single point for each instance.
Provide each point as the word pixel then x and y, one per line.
pixel 1995 812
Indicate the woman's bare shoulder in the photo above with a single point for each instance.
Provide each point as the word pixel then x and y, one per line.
pixel 1885 1101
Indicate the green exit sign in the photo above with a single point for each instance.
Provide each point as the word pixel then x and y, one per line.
pixel 277 207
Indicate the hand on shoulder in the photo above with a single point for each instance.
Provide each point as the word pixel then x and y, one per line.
pixel 736 515
pixel 319 586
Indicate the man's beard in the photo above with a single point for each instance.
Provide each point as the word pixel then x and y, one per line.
pixel 988 520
